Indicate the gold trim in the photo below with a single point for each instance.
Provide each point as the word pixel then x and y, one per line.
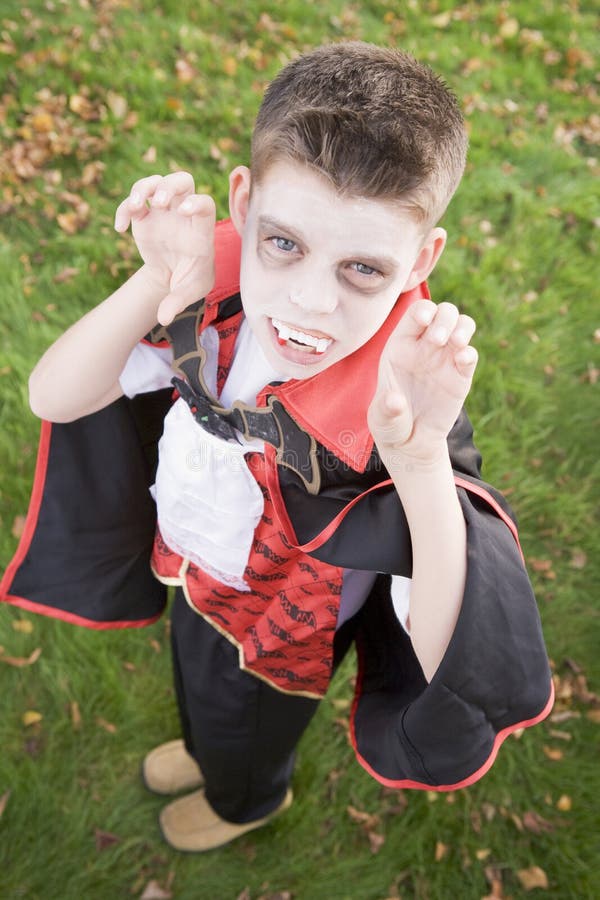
pixel 240 650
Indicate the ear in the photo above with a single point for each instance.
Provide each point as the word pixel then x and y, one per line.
pixel 429 254
pixel 239 196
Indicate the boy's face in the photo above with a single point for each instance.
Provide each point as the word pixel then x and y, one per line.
pixel 320 273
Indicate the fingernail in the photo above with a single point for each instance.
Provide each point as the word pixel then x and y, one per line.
pixel 135 199
pixel 160 197
pixel 187 204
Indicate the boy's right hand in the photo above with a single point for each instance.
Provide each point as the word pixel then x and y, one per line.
pixel 173 228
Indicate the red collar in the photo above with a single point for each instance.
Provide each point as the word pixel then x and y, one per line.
pixel 332 405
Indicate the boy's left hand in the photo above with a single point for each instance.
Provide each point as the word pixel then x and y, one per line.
pixel 425 374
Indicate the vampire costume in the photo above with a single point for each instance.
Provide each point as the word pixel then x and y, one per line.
pixel 92 554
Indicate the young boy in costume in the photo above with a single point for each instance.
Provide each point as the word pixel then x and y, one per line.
pixel 317 483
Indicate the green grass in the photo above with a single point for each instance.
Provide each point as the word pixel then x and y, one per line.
pixel 523 235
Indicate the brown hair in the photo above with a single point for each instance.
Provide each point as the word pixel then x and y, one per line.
pixel 373 120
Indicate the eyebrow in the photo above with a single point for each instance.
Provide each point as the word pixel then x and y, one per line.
pixel 380 260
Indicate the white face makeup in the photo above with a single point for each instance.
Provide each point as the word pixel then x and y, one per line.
pixel 320 273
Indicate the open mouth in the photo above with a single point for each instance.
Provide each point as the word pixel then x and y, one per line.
pixel 300 340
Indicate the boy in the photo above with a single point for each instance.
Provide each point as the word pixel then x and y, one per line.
pixel 314 502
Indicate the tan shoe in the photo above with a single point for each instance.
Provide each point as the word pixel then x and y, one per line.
pixel 169 769
pixel 191 824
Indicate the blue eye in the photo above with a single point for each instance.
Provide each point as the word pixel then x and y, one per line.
pixel 363 269
pixel 284 244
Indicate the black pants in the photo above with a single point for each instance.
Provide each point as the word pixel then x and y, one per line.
pixel 241 732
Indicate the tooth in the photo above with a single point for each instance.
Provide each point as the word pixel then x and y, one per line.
pixel 322 345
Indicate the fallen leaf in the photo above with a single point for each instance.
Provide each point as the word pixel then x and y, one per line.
pixel 533 877
pixel 564 803
pixel 553 753
pixel 442 20
pixel 245 895
pixel 117 104
pixel 494 878
pixel 150 155
pixel 108 726
pixel 105 839
pixel 535 823
pixel 65 275
pixel 3 802
pixel 18 526
pixel 75 715
pixel 31 717
pixel 83 107
pixel 560 735
pixel 153 891
pixel 20 661
pixel 230 66
pixel 376 841
pixel 564 715
pixel 593 715
pixel 362 817
pixel 24 626
pixel 509 28
pixel 441 850
pixel 185 71
pixel 482 854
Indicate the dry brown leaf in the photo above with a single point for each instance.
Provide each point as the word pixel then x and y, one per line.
pixel 117 104
pixel 108 726
pixel 230 66
pixel 593 715
pixel 532 821
pixel 494 878
pixel 153 891
pixel 245 895
pixel 482 854
pixel 441 850
pixel 509 28
pixel 376 841
pixel 369 820
pixel 3 802
pixel 105 839
pixel 564 715
pixel 31 717
pixel 18 526
pixel 83 107
pixel 578 559
pixel 185 71
pixel 75 715
pixel 24 626
pixel 20 661
pixel 442 20
pixel 65 275
pixel 553 753
pixel 564 803
pixel 533 877
pixel 150 155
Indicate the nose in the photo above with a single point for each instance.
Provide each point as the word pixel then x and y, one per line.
pixel 314 296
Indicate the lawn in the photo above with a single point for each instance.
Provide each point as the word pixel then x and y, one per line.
pixel 97 94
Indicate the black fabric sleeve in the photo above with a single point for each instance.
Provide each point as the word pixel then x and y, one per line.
pixel 493 678
pixel 85 553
